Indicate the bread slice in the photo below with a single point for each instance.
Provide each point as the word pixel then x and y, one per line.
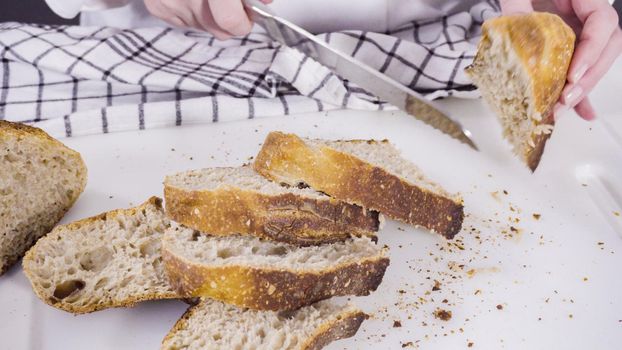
pixel 520 68
pixel 225 201
pixel 265 275
pixel 371 174
pixel 109 260
pixel 212 325
pixel 40 179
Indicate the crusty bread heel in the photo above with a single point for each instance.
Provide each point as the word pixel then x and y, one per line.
pixel 520 69
pixel 40 179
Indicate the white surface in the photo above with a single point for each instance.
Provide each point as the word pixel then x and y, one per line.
pixel 538 276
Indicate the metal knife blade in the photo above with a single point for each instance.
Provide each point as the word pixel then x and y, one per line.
pixel 382 86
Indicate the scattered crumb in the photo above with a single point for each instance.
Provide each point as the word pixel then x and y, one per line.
pixel 584 279
pixel 191 158
pixel 505 192
pixel 570 316
pixel 499 307
pixel 470 344
pixel 110 197
pixel 443 315
pixel 408 345
pixel 616 213
pixel 601 243
pixel 397 324
pixel 537 216
pixel 172 150
pixel 437 286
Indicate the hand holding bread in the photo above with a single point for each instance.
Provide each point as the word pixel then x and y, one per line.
pixel 599 45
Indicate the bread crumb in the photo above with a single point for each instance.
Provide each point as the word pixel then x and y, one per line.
pixel 499 307
pixel 397 324
pixel 443 315
pixel 470 344
pixel 584 279
pixel 616 213
pixel 437 286
pixel 408 345
pixel 537 216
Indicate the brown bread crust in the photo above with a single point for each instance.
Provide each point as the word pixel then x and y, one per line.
pixel 287 158
pixel 272 289
pixel 288 217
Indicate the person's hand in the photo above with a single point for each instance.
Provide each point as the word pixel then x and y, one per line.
pixel 222 18
pixel 599 44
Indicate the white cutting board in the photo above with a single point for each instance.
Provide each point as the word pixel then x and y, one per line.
pixel 556 279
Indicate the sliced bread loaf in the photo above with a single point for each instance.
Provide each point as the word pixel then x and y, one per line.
pixel 371 174
pixel 40 179
pixel 266 275
pixel 225 201
pixel 110 260
pixel 212 325
pixel 520 69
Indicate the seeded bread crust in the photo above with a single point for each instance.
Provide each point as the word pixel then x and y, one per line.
pixel 287 159
pixel 544 44
pixel 343 326
pixel 288 218
pixel 29 264
pixel 15 242
pixel 272 289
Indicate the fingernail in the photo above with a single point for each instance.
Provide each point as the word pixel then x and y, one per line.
pixel 578 73
pixel 573 96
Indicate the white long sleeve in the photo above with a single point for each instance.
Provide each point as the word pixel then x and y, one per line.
pixel 71 8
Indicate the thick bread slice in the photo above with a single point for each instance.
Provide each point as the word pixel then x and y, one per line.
pixel 265 275
pixel 226 201
pixel 520 69
pixel 212 325
pixel 40 179
pixel 371 174
pixel 110 260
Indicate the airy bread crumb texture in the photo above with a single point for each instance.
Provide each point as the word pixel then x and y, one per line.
pixel 106 261
pixel 215 325
pixel 244 178
pixel 249 251
pixel 504 83
pixel 40 179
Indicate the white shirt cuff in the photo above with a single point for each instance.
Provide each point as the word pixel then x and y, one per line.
pixel 71 8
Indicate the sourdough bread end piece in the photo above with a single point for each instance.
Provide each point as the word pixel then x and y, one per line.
pixel 109 260
pixel 520 68
pixel 226 201
pixel 371 174
pixel 265 275
pixel 40 179
pixel 215 325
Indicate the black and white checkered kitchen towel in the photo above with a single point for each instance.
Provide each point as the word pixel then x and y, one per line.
pixel 86 80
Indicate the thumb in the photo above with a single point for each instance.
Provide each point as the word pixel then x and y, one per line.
pixel 511 7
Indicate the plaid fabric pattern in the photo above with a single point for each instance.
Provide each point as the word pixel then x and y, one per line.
pixel 84 80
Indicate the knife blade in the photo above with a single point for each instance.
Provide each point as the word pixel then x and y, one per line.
pixel 381 85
